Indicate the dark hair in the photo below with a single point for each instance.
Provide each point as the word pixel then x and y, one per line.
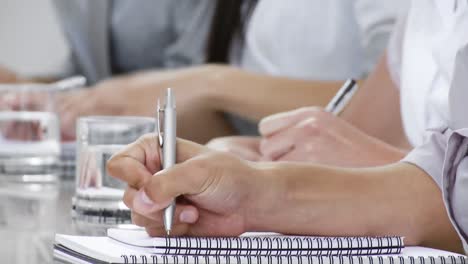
pixel 228 22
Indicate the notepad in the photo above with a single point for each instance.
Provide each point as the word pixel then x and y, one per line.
pixel 259 244
pixel 135 246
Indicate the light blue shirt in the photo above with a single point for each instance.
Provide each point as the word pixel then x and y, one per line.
pixel 118 36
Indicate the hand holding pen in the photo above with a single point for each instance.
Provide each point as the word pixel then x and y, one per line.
pixel 313 134
pixel 214 203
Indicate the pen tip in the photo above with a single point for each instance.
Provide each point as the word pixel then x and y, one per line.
pixel 168 232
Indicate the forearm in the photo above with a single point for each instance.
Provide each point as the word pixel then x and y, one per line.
pixel 205 92
pixel 312 200
pixel 8 76
pixel 378 99
pixel 395 200
pixel 136 94
pixel 255 96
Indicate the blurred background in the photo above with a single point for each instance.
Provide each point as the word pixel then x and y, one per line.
pixel 25 33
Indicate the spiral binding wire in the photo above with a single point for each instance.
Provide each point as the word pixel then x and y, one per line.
pixel 184 259
pixel 280 246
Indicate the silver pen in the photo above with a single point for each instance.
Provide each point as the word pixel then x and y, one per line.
pixel 167 137
pixel 73 82
pixel 342 97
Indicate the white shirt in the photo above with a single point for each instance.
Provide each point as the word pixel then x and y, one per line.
pixel 319 40
pixel 427 66
pixel 429 58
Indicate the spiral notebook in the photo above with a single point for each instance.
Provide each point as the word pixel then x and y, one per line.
pixel 135 246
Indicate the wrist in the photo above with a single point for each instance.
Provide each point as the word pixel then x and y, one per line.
pixel 217 89
pixel 266 190
pixel 10 78
pixel 393 154
pixel 293 196
pixel 422 216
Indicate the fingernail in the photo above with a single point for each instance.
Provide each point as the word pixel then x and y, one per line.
pixel 188 216
pixel 270 125
pixel 142 203
pixel 145 199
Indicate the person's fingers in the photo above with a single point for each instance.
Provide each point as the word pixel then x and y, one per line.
pixel 183 214
pixel 35 101
pixel 22 130
pixel 189 178
pixel 140 160
pixel 278 122
pixel 279 144
pixel 245 153
pixel 187 149
pixel 28 101
pixel 143 221
pixel 68 126
pixel 223 143
pixel 244 147
pixel 71 105
pixel 295 155
pixel 176 230
pixel 137 162
pixel 129 196
pixel 64 101
pixel 91 171
pixel 67 123
pixel 10 101
pixel 252 142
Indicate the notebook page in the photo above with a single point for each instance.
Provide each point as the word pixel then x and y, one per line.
pixel 101 248
pixel 260 244
pixel 423 251
pixel 109 251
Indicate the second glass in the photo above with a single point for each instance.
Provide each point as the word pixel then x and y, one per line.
pixel 98 200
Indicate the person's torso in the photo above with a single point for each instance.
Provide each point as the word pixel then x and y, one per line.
pixel 139 34
pixel 116 36
pixel 436 30
pixel 307 39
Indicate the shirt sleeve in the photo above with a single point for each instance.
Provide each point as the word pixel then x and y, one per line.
pixel 376 20
pixel 70 21
pixel 394 51
pixel 444 157
pixel 68 63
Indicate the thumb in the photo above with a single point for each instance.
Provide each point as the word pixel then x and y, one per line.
pixel 187 149
pixel 189 178
pixel 275 123
pixel 137 162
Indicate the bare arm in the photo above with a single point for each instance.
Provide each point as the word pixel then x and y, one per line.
pixel 203 93
pixel 398 199
pixel 227 196
pixel 255 96
pixel 7 76
pixel 378 99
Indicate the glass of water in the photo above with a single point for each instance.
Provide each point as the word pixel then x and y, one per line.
pixel 98 204
pixel 29 185
pixel 29 129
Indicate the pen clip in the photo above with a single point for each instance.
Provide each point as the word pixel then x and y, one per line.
pixel 159 122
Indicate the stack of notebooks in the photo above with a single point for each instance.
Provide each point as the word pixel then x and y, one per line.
pixel 135 246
